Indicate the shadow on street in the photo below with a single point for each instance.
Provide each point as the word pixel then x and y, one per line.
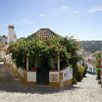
pixel 10 83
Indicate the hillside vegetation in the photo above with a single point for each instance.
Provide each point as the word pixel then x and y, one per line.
pixel 91 45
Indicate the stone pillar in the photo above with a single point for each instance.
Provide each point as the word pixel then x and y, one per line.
pixel 27 63
pixel 58 63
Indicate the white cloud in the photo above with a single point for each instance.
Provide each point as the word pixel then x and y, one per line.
pixel 59 11
pixel 66 9
pixel 25 21
pixel 94 9
pixel 43 15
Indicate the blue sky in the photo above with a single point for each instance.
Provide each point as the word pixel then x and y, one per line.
pixel 81 18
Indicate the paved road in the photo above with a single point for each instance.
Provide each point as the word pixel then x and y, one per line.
pixel 12 91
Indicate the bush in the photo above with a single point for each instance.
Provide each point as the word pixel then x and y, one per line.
pixel 79 77
pixel 81 69
pixel 85 71
pixel 80 72
pixel 74 81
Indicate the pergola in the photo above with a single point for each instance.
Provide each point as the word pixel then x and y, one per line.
pixel 44 34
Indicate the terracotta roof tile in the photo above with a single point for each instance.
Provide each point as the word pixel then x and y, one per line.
pixel 45 33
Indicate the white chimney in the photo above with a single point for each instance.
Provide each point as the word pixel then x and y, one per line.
pixel 11 34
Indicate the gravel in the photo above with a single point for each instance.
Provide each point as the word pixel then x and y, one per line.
pixel 11 90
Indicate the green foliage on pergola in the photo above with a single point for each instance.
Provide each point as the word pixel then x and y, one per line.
pixel 66 47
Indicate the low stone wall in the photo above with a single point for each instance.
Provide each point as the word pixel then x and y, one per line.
pixel 27 77
pixel 54 79
pixel 13 67
pixel 21 71
pixel 61 78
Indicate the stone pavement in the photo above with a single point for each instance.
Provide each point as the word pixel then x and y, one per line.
pixel 11 90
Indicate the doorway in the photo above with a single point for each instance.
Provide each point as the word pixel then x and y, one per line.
pixel 43 71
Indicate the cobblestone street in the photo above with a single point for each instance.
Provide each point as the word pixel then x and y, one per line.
pixel 12 91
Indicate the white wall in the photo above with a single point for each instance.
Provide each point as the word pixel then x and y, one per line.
pixel 67 74
pixel 31 76
pixel 90 68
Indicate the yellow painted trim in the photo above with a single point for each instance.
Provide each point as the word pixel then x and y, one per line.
pixel 55 84
pixel 24 76
pixel 61 76
pixel 67 83
pixel 30 83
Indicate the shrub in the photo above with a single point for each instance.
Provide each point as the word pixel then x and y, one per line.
pixel 80 72
pixel 74 81
pixel 81 69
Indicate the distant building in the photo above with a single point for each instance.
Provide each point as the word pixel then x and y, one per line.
pixel 11 34
pixel 3 39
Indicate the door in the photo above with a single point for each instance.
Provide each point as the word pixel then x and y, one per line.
pixel 43 72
